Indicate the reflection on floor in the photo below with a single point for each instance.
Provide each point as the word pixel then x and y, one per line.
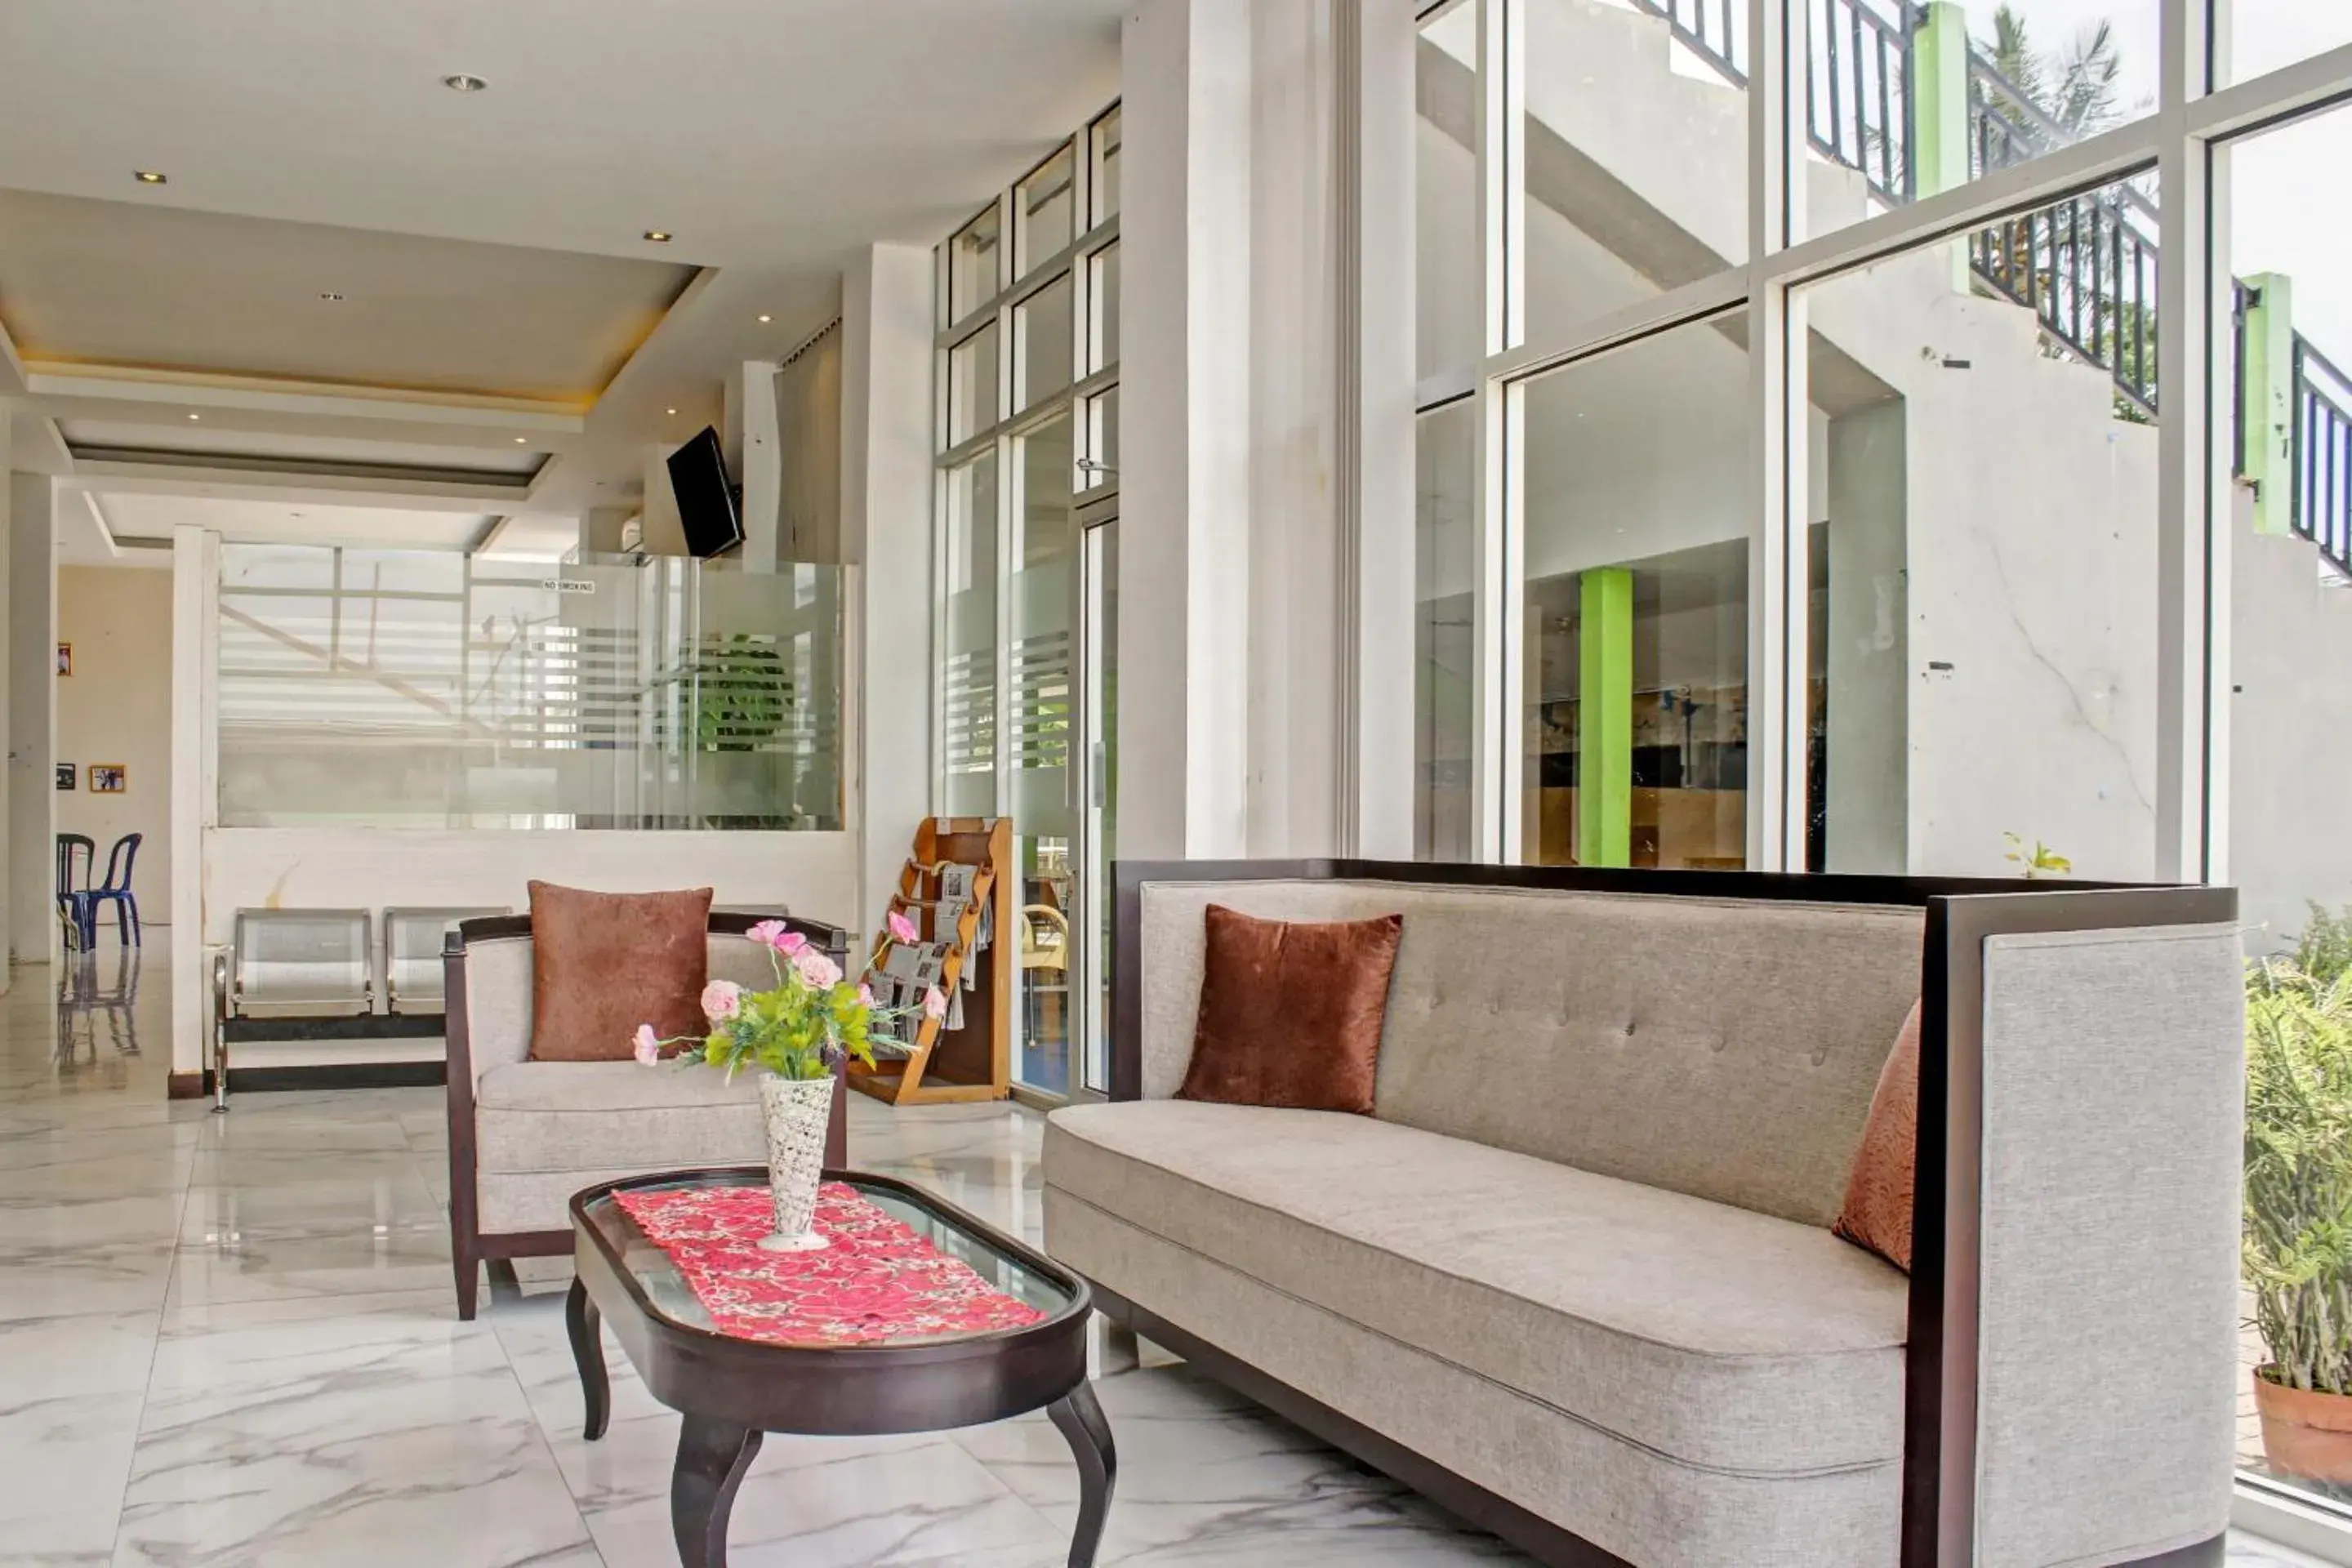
pixel 231 1341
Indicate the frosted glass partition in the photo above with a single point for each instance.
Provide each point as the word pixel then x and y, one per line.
pixel 422 689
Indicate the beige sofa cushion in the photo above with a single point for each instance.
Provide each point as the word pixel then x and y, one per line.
pixel 1725 1339
pixel 1643 1506
pixel 593 1116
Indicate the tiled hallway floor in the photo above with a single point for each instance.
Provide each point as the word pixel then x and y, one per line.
pixel 231 1341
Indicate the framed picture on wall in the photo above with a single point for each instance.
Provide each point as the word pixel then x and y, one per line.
pixel 65 659
pixel 67 777
pixel 109 778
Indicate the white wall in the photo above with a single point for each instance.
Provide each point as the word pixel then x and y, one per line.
pixel 32 655
pixel 116 707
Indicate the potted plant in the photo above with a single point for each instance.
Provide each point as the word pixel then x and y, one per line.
pixel 796 1034
pixel 2298 1235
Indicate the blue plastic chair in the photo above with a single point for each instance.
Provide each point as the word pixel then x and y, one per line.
pixel 116 890
pixel 77 857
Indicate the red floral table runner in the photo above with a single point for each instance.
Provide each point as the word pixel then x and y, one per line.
pixel 878 1281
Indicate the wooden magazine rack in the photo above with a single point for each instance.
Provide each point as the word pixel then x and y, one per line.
pixel 944 1066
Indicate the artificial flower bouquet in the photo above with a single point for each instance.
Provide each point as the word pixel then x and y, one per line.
pixel 802 1027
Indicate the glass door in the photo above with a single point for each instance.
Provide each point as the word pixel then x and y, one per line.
pixel 1098 818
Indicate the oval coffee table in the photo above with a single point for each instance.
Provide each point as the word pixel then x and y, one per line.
pixel 734 1389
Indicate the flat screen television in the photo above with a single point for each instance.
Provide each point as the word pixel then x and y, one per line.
pixel 706 501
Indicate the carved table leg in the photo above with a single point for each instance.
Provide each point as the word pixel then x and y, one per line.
pixel 583 1321
pixel 1082 1422
pixel 711 1458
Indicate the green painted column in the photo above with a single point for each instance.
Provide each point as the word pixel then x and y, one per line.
pixel 1605 763
pixel 2266 408
pixel 1939 112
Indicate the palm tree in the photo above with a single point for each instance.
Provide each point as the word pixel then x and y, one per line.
pixel 2074 87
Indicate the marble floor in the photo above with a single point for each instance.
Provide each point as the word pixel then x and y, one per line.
pixel 231 1341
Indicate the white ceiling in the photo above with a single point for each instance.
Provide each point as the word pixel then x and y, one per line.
pixel 131 516
pixel 772 137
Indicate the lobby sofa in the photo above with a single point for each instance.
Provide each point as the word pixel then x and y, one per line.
pixel 1575 1278
pixel 524 1135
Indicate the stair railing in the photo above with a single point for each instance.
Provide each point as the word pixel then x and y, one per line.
pixel 2322 508
pixel 1858 94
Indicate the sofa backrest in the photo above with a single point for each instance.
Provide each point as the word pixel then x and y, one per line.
pixel 1726 1049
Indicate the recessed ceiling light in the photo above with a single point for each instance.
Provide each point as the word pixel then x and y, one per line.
pixel 331 297
pixel 658 236
pixel 461 82
pixel 669 411
pixel 765 317
pixel 150 177
pixel 196 416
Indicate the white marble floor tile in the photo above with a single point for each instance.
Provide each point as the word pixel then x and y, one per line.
pixel 65 1459
pixel 813 1504
pixel 85 1354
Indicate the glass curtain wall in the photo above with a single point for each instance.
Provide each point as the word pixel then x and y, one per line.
pixel 1028 418
pixel 1952 475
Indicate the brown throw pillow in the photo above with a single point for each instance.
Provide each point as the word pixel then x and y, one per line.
pixel 602 964
pixel 1877 1212
pixel 1290 1015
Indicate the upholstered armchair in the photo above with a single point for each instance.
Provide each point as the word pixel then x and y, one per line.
pixel 526 1135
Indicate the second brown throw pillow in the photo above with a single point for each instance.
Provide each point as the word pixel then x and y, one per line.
pixel 1290 1015
pixel 602 964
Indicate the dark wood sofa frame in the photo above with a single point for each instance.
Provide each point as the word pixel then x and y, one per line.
pixel 469 1248
pixel 1940 1373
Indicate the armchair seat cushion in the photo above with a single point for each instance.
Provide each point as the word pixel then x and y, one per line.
pixel 602 1116
pixel 1723 1339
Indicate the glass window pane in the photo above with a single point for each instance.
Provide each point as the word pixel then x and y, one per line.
pixel 1903 103
pixel 1106 164
pixel 973 262
pixel 973 385
pixel 1635 663
pixel 968 650
pixel 1042 324
pixel 2290 540
pixel 1444 632
pixel 1445 193
pixel 1983 647
pixel 1102 411
pixel 1044 618
pixel 2267 34
pixel 1636 177
pixel 1102 350
pixel 1047 205
pixel 437 690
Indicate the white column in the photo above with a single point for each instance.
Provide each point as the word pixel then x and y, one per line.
pixel 195 568
pixel 1184 550
pixel 32 717
pixel 886 526
pixel 762 466
pixel 1376 372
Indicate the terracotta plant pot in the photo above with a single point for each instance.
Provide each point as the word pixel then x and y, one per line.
pixel 2304 1433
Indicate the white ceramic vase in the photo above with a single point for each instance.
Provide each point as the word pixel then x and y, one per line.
pixel 797 1111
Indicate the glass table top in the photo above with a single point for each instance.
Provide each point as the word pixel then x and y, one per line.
pixel 671 1294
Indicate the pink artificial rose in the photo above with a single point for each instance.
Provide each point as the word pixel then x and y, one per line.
pixel 722 1000
pixel 935 1002
pixel 865 997
pixel 791 942
pixel 815 968
pixel 902 928
pixel 648 1046
pixel 766 932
